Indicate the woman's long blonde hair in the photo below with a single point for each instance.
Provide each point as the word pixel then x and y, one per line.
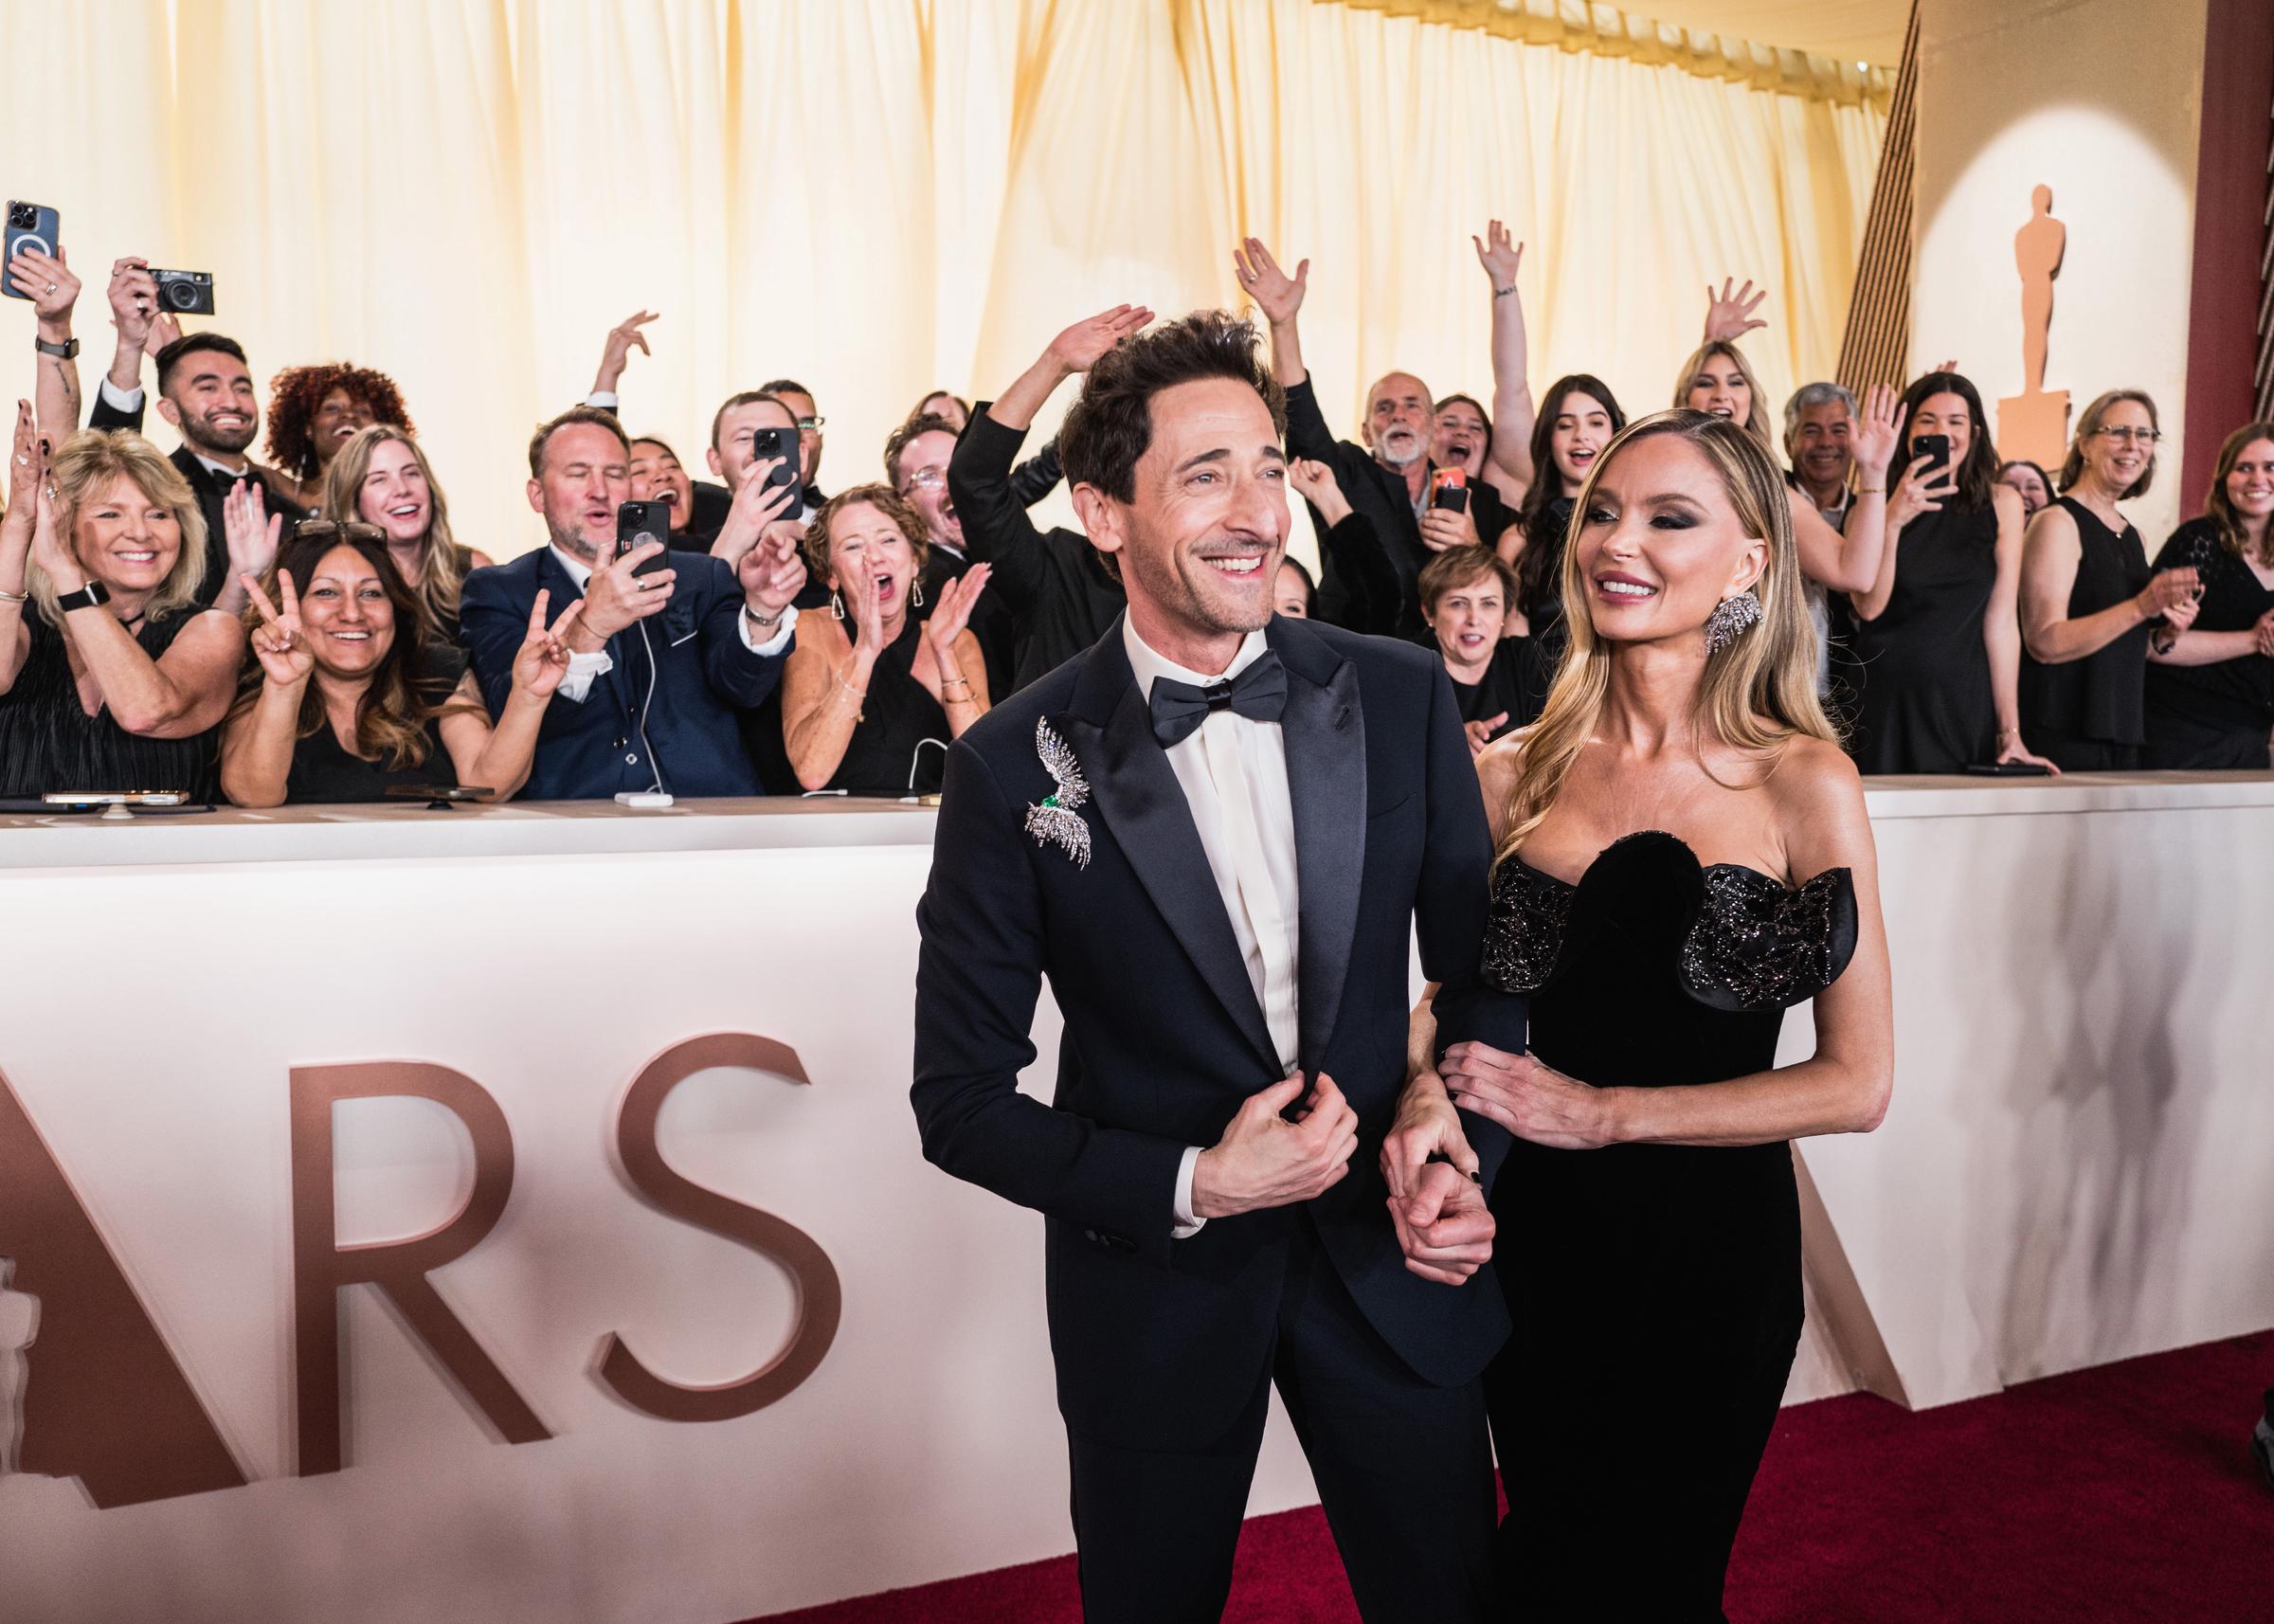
pixel 1757 693
pixel 83 469
pixel 1757 409
pixel 441 572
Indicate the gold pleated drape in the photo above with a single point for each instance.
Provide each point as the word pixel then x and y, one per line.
pixel 879 197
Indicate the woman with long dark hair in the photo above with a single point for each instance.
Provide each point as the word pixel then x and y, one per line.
pixel 2091 608
pixel 2211 696
pixel 1684 855
pixel 1578 417
pixel 1932 667
pixel 348 696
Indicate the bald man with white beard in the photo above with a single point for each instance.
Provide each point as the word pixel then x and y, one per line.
pixel 1387 478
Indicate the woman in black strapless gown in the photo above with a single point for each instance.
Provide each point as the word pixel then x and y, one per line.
pixel 1684 854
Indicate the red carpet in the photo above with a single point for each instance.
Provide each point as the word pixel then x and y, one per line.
pixel 2121 1493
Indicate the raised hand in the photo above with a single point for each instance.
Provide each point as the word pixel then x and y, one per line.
pixel 1276 294
pixel 250 532
pixel 952 613
pixel 1265 1160
pixel 23 480
pixel 47 280
pixel 1316 482
pixel 50 550
pixel 1875 433
pixel 755 507
pixel 2168 593
pixel 618 349
pixel 866 613
pixel 1500 254
pixel 1920 492
pixel 1728 316
pixel 1081 346
pixel 542 660
pixel 134 295
pixel 1530 1100
pixel 285 661
pixel 772 572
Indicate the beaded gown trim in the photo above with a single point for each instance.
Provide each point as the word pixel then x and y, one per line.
pixel 1757 944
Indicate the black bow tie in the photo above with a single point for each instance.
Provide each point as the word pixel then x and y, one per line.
pixel 1258 694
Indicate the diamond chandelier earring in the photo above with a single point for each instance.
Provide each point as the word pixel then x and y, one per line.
pixel 1732 618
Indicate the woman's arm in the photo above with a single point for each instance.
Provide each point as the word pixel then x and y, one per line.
pixel 2001 631
pixel 949 663
pixel 256 752
pixel 823 684
pixel 2051 553
pixel 1843 1088
pixel 1508 459
pixel 498 758
pixel 1848 559
pixel 25 473
pixel 180 694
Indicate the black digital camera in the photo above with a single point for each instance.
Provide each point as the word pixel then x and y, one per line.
pixel 185 293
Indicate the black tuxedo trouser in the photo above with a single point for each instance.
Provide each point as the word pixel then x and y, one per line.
pixel 1403 1468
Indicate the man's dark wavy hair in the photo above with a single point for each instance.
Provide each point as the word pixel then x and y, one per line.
pixel 1109 428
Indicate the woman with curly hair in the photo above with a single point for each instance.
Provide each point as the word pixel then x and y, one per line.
pixel 382 477
pixel 313 411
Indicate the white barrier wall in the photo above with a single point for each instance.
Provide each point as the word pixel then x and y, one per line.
pixel 2072 1171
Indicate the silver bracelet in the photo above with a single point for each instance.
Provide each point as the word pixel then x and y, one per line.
pixel 6 597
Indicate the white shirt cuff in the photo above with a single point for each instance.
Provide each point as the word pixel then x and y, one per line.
pixel 604 399
pixel 1186 1226
pixel 774 645
pixel 583 668
pixel 120 400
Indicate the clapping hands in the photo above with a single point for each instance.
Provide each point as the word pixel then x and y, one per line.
pixel 952 613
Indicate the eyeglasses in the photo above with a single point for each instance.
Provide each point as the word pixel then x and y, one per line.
pixel 2122 433
pixel 924 479
pixel 349 530
pixel 807 424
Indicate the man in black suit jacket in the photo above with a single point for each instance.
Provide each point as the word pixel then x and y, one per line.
pixel 206 391
pixel 1388 478
pixel 1215 834
pixel 659 664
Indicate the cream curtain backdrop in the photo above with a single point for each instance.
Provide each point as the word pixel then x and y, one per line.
pixel 879 197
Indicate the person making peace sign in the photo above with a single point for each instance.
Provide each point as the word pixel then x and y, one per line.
pixel 344 697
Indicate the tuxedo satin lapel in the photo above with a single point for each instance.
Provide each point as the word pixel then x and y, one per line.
pixel 1143 807
pixel 1325 727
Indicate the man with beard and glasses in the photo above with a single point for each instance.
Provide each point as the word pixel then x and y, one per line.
pixel 206 391
pixel 1389 478
pixel 1215 832
pixel 915 464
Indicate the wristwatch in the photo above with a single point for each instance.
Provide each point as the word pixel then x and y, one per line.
pixel 67 349
pixel 92 596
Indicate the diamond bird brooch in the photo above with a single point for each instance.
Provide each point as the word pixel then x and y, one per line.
pixel 1058 821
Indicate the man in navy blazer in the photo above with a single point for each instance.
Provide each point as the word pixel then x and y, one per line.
pixel 659 664
pixel 1215 834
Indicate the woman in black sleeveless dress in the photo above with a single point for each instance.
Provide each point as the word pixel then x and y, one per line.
pixel 348 694
pixel 1578 416
pixel 873 713
pixel 1684 854
pixel 111 676
pixel 2090 606
pixel 1928 675
pixel 2211 696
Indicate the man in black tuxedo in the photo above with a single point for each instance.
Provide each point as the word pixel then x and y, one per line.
pixel 1388 478
pixel 1215 832
pixel 205 390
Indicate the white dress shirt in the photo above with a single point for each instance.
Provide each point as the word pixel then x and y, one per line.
pixel 1232 770
pixel 583 668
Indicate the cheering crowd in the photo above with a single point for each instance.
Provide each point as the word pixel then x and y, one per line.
pixel 310 630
